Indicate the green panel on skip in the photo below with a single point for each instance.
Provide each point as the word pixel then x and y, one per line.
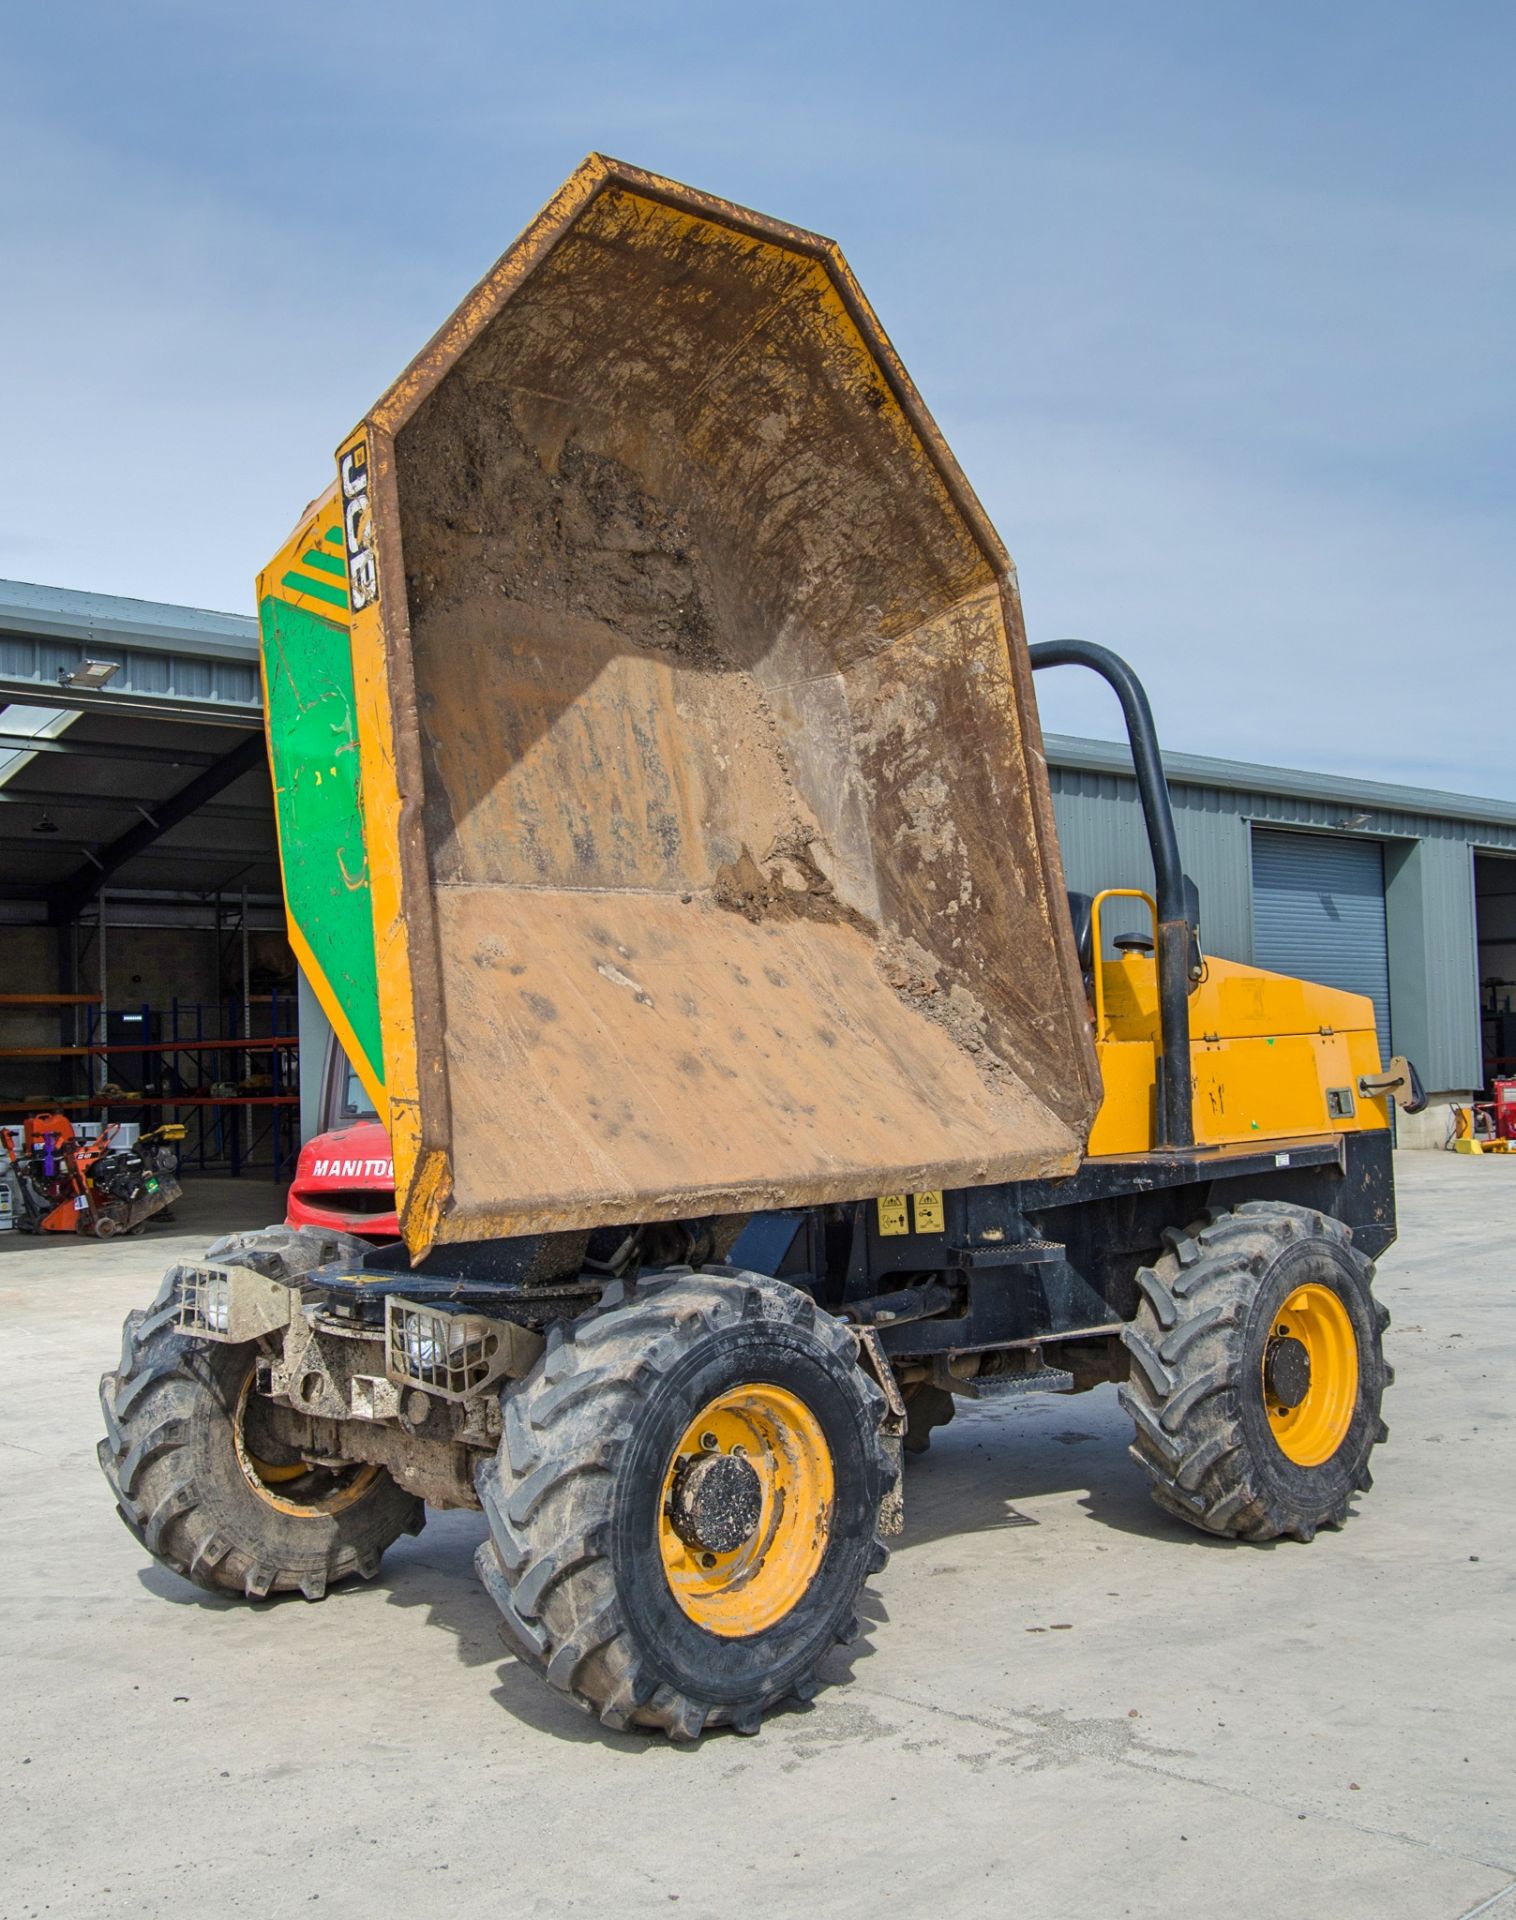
pixel 313 736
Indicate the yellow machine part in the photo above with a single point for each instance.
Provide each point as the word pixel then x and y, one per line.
pixel 761 1580
pixel 1311 1431
pixel 664 818
pixel 708 839
pixel 1271 1057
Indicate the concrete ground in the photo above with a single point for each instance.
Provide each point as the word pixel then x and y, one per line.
pixel 1067 1705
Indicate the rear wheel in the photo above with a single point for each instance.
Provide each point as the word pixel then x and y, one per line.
pixel 685 1503
pixel 209 1475
pixel 1257 1370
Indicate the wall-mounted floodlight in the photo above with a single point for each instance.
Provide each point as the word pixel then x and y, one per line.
pixel 1353 822
pixel 90 674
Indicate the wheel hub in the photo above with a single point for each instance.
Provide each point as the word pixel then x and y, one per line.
pixel 751 1480
pixel 717 1502
pixel 278 1471
pixel 1287 1371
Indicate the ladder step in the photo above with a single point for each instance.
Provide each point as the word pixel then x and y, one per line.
pixel 1003 1386
pixel 1008 1253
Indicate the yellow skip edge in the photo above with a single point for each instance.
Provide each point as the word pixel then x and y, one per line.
pixel 382 826
pixel 431 1190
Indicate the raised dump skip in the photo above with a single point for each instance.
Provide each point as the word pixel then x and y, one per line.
pixel 695 698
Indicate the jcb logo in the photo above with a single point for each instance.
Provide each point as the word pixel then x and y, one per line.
pixel 358 525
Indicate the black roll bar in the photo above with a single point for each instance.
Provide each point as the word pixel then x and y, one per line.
pixel 1178 931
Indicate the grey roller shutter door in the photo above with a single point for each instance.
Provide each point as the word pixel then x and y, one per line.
pixel 1318 913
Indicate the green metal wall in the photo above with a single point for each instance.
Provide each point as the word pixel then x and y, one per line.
pixel 1434 969
pixel 1104 844
pixel 1428 842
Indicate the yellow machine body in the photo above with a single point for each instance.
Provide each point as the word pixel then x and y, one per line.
pixel 664 820
pixel 1272 1058
pixel 707 843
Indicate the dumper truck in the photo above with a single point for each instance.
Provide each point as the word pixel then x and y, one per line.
pixel 666 831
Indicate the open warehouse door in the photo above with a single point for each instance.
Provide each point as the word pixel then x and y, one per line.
pixel 147 990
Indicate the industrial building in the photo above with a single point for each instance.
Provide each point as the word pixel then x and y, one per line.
pixel 1402 893
pixel 144 969
pixel 140 907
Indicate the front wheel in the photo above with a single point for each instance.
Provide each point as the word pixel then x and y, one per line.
pixel 685 1504
pixel 1256 1372
pixel 210 1476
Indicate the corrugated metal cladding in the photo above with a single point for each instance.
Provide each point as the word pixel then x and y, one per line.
pixel 1434 965
pixel 146 676
pixel 1104 844
pixel 171 661
pixel 1425 840
pixel 1319 913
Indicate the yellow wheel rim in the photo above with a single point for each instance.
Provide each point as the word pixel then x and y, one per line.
pixel 751 1585
pixel 1312 1429
pixel 323 1490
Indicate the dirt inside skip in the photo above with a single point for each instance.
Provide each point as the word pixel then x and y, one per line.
pixel 689 617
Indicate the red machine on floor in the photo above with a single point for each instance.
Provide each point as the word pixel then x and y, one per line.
pixel 69 1185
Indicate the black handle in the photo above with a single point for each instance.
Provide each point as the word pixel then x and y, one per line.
pixel 1178 933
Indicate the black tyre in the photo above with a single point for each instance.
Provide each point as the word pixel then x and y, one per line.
pixel 685 1503
pixel 203 1475
pixel 1257 1371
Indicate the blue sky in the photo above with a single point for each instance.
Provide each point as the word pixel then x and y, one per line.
pixel 1216 304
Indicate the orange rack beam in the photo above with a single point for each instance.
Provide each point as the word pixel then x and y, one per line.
pixel 151 1046
pixel 155 1100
